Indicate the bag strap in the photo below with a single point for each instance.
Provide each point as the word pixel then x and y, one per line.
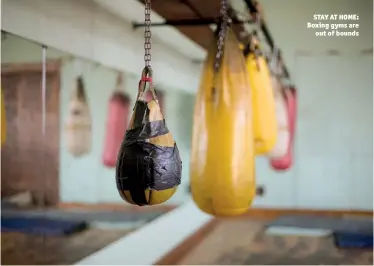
pixel 119 83
pixel 80 91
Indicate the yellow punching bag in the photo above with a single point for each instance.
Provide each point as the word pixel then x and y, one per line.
pixel 222 168
pixel 264 115
pixel 3 120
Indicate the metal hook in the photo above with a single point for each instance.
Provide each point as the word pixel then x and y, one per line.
pixel 44 89
pixel 274 61
pixel 258 21
pixel 147 74
pixel 254 48
pixel 119 78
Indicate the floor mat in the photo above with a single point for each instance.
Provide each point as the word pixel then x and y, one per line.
pixel 41 226
pixel 297 231
pixel 364 225
pixel 84 215
pixel 353 240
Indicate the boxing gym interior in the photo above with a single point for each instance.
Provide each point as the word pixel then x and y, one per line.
pixel 186 132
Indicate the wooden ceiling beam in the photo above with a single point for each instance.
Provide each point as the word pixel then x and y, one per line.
pixel 193 9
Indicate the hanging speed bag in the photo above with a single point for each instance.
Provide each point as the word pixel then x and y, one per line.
pixel 281 147
pixel 285 162
pixel 149 167
pixel 3 120
pixel 78 123
pixel 264 117
pixel 117 122
pixel 222 169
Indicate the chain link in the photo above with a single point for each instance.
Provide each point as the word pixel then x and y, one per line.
pixel 222 33
pixel 147 34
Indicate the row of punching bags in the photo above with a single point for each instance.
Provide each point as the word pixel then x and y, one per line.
pixel 247 114
pixel 78 125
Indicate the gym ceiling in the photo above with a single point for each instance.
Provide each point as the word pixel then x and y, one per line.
pixel 197 10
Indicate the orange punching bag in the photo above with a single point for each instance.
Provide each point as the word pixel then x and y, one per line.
pixel 285 162
pixel 117 121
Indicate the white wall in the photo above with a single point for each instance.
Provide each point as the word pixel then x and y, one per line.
pixel 335 137
pixel 287 21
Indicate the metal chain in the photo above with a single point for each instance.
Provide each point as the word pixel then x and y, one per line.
pixel 274 61
pixel 222 33
pixel 147 34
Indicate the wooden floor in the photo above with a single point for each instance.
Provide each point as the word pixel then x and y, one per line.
pixel 243 242
pixel 21 249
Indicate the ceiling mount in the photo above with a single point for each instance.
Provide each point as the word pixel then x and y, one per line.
pixel 190 22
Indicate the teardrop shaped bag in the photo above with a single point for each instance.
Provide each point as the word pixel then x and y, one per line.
pixel 3 120
pixel 281 147
pixel 149 167
pixel 286 161
pixel 117 122
pixel 222 167
pixel 264 117
pixel 78 123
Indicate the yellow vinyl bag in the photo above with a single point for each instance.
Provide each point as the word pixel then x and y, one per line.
pixel 222 167
pixel 78 124
pixel 3 120
pixel 264 118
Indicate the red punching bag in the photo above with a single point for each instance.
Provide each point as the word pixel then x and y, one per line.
pixel 117 122
pixel 285 162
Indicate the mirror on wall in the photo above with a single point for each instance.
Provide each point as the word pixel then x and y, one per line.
pixel 56 171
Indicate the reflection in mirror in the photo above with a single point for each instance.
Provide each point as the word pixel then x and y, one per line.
pixel 59 187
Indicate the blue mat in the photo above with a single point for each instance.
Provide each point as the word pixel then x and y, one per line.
pixel 353 240
pixel 42 226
